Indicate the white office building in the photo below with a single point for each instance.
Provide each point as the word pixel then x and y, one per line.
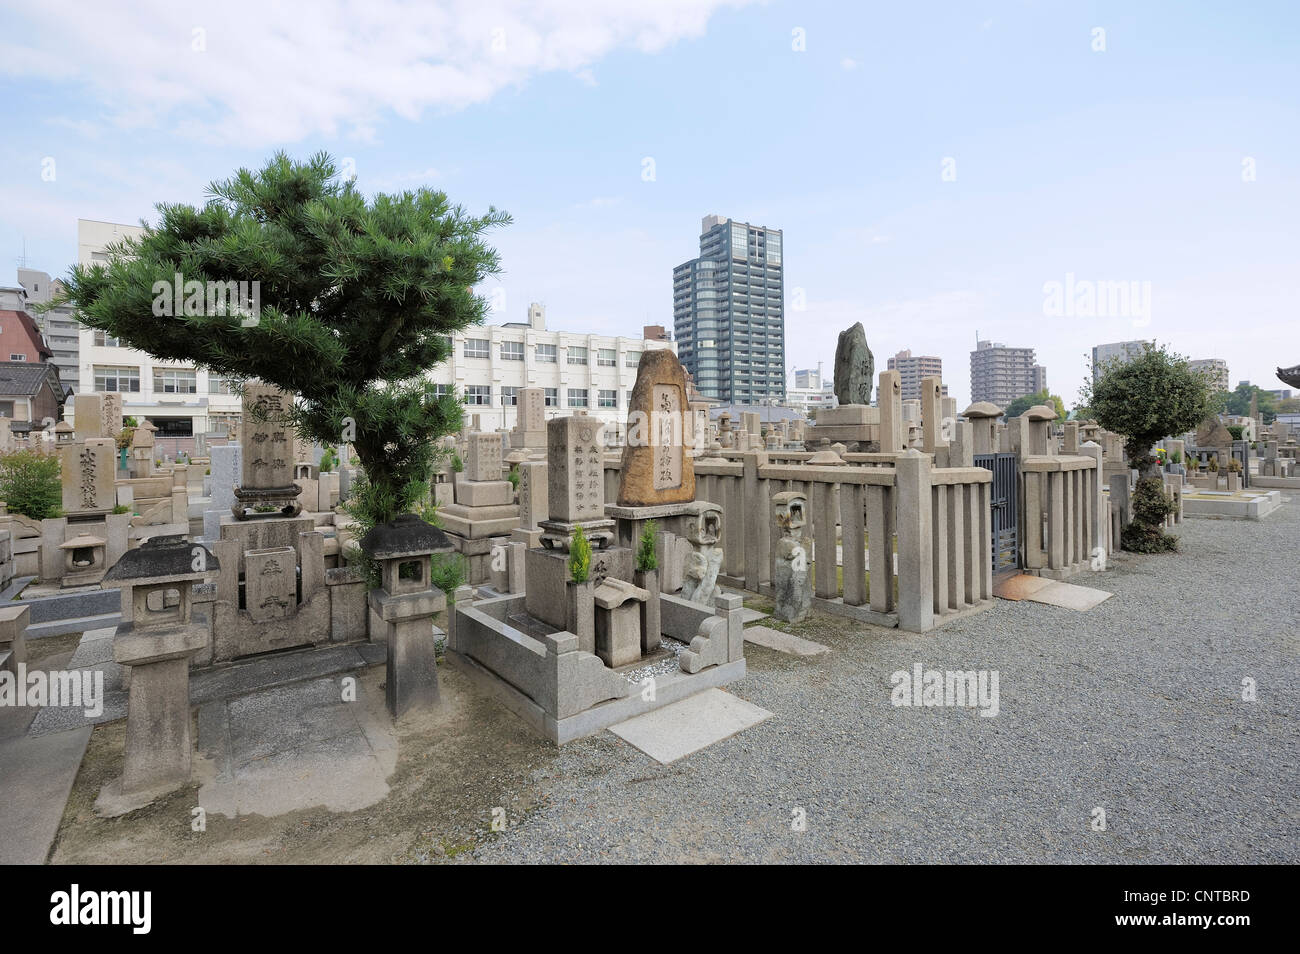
pixel 489 364
pixel 177 398
pixel 809 391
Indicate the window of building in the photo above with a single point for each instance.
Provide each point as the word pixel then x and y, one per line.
pixel 440 390
pixel 512 351
pixel 223 420
pixel 116 379
pixel 607 358
pixel 546 354
pixel 628 397
pixel 632 359
pixel 18 357
pixel 739 241
pixel 577 397
pixel 218 384
pixel 7 409
pixel 478 394
pixel 477 348
pixel 552 397
pixel 509 396
pixel 105 340
pixel 173 426
pixel 608 398
pixel 577 355
pixel 174 381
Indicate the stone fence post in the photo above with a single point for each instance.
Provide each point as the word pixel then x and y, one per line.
pixel 915 542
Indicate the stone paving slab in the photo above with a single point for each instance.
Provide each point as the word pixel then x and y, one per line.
pixel 1070 596
pixel 783 642
pixel 296 746
pixel 35 782
pixel 694 723
pixel 750 615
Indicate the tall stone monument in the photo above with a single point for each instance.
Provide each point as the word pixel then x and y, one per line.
pixel 854 423
pixel 267 488
pixel 854 366
pixel 657 464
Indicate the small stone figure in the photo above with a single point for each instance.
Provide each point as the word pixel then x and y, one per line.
pixel 791 587
pixel 700 577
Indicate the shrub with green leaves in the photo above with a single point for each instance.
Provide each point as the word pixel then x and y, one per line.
pixel 449 572
pixel 513 477
pixel 30 483
pixel 579 556
pixel 329 459
pixel 457 465
pixel 647 559
pixel 1151 505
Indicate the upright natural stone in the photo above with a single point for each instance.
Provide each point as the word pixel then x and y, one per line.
pixel 854 367
pixel 657 464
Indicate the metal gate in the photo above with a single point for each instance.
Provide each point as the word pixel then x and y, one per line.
pixel 1005 507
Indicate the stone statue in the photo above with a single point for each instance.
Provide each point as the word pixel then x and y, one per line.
pixel 855 367
pixel 700 575
pixel 791 586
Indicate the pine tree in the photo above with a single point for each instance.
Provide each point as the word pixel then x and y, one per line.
pixel 358 299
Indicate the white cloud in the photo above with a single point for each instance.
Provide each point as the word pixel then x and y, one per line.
pixel 272 73
pixel 848 63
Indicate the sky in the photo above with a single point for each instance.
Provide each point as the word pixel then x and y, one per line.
pixel 935 167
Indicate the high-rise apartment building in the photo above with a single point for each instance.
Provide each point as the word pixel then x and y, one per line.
pixel 999 374
pixel 1120 352
pixel 729 312
pixel 1216 369
pixel 59 324
pixel 912 368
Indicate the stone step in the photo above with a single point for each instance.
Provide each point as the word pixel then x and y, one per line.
pixel 14 587
pixel 77 625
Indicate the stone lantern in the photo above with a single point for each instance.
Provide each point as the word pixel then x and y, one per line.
pixel 156 639
pixel 405 605
pixel 1040 418
pixel 64 433
pixel 984 416
pixel 84 560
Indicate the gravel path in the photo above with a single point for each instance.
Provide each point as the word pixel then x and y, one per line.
pixel 1134 707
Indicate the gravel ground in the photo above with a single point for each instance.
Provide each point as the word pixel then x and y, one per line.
pixel 1134 707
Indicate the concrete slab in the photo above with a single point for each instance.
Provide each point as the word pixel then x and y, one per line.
pixel 676 731
pixel 783 642
pixel 1070 596
pixel 292 747
pixel 36 776
pixel 1020 586
pixel 749 615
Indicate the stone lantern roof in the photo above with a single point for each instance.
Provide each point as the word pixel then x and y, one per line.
pixel 162 559
pixel 982 409
pixel 1041 412
pixel 405 536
